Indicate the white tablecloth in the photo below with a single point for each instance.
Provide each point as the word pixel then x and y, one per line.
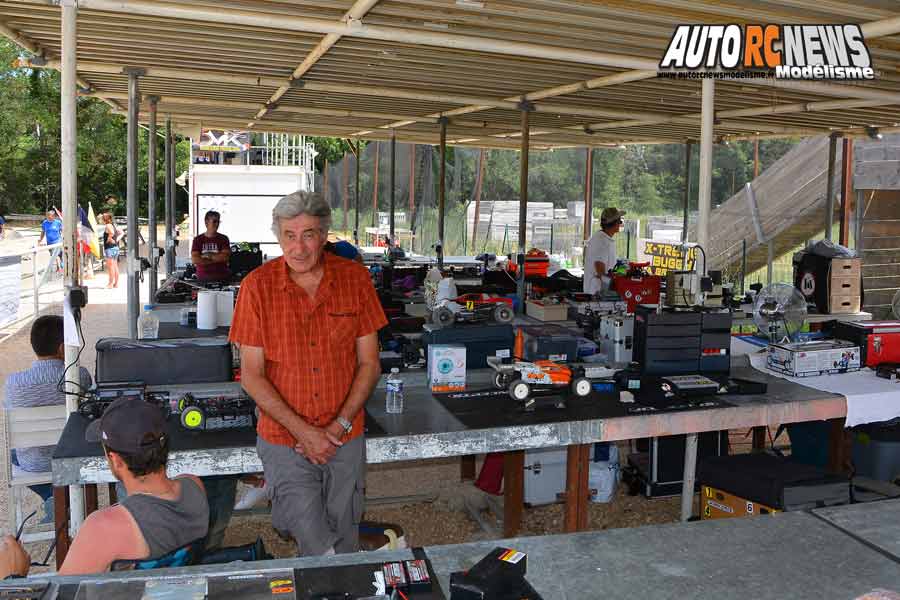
pixel 870 399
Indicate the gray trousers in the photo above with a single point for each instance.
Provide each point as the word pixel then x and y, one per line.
pixel 319 506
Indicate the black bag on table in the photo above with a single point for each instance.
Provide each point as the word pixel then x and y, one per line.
pixel 164 362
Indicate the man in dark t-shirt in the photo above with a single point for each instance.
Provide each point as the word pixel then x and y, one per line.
pixel 211 251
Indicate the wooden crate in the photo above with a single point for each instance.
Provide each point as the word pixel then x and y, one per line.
pixel 844 304
pixel 546 312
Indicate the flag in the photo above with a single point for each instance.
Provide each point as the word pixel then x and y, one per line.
pixel 95 247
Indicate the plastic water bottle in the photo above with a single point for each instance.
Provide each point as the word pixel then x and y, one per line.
pixel 394 397
pixel 148 324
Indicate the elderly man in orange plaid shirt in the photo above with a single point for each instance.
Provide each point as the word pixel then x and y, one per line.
pixel 307 328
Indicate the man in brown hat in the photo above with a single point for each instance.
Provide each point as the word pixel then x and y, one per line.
pixel 600 254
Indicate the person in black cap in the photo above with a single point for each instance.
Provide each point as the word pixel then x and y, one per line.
pixel 159 515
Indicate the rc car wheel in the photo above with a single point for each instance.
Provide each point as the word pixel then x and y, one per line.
pixel 503 314
pixel 500 380
pixel 193 418
pixel 443 317
pixel 581 386
pixel 519 390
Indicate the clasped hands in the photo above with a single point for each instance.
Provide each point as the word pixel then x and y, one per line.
pixel 319 444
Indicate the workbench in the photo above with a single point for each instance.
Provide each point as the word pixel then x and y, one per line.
pixel 836 553
pixel 427 429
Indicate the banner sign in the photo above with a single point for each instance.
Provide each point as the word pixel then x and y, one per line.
pixel 665 256
pixel 223 141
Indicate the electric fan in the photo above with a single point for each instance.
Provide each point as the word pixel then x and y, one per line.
pixel 779 311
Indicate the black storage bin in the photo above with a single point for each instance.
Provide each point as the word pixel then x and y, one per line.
pixel 549 342
pixel 659 471
pixel 163 362
pixel 715 343
pixel 774 481
pixel 480 341
pixel 667 343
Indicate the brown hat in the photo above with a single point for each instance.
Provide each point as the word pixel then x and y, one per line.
pixel 610 215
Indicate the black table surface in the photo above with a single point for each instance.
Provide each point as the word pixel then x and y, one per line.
pixel 73 445
pixel 175 331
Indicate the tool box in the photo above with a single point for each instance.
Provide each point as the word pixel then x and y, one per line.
pixel 715 342
pixel 719 504
pixel 641 289
pixel 807 359
pixel 774 481
pixel 480 341
pixel 659 471
pixel 549 342
pixel 878 341
pixel 164 362
pixel 834 285
pixel 667 343
pixel 616 338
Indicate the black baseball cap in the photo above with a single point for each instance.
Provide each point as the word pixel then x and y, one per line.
pixel 128 425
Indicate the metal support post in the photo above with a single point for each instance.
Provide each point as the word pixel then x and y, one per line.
pixel 356 195
pixel 858 222
pixel 743 265
pixel 442 184
pixel 770 247
pixel 690 468
pixel 688 150
pixel 169 216
pixel 152 253
pixel 69 180
pixel 133 269
pixel 829 185
pixel 393 182
pixel 704 198
pixel 846 191
pixel 526 109
pixel 588 196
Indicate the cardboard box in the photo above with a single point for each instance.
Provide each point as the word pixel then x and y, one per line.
pixel 546 312
pixel 813 358
pixel 447 367
pixel 719 504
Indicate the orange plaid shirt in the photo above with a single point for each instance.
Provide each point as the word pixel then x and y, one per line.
pixel 309 343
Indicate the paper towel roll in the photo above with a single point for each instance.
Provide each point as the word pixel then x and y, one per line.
pixel 207 307
pixel 224 308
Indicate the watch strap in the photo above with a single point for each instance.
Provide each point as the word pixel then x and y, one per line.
pixel 347 425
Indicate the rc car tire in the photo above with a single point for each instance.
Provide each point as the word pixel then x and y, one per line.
pixel 500 380
pixel 443 317
pixel 193 417
pixel 519 390
pixel 503 314
pixel 581 387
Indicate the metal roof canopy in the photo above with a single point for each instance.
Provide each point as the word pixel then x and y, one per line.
pixel 361 69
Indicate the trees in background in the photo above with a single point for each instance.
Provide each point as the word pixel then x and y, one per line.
pixel 641 179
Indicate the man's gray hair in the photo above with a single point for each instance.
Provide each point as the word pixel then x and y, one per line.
pixel 301 203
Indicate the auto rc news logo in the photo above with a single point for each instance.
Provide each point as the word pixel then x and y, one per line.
pixel 817 52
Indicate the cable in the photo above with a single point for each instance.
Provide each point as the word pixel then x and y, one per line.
pixel 60 385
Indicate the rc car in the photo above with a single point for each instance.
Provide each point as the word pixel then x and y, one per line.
pixel 523 378
pixel 473 308
pixel 216 412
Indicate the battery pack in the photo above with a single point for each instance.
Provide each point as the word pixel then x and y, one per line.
pixel 394 577
pixel 417 575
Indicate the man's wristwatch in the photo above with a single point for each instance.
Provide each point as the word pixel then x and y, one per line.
pixel 347 425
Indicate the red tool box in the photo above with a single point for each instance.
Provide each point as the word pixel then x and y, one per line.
pixel 636 285
pixel 878 341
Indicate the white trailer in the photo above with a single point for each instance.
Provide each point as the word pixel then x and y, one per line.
pixel 244 195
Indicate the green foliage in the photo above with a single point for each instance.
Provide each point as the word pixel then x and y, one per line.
pixel 330 149
pixel 30 146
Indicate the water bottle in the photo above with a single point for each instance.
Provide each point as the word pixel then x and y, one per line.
pixel 148 324
pixel 394 397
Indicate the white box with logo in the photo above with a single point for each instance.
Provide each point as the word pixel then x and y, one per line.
pixel 447 367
